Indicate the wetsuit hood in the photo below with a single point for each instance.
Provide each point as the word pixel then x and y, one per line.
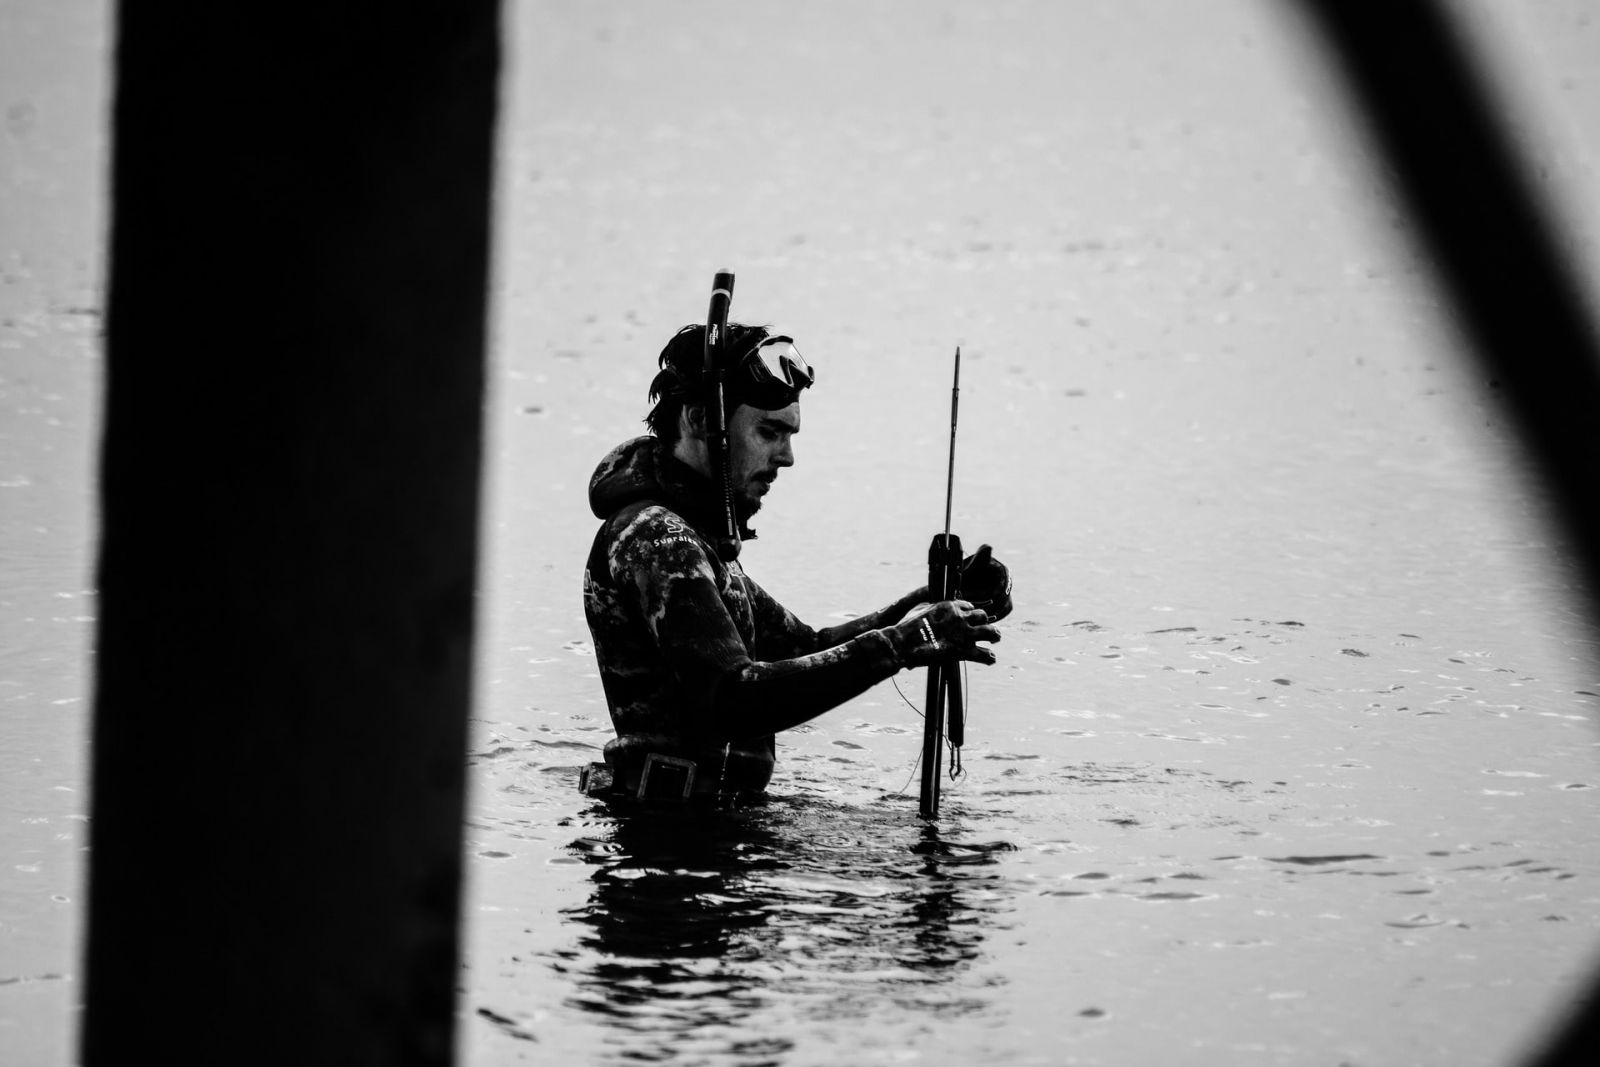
pixel 644 469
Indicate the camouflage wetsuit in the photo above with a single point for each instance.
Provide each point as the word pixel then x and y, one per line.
pixel 697 660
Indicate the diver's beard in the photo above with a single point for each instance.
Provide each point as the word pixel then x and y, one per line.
pixel 745 505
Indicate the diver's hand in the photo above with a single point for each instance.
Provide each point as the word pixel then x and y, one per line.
pixel 932 632
pixel 986 583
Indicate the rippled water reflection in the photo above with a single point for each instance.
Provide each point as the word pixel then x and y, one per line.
pixel 1242 836
pixel 696 926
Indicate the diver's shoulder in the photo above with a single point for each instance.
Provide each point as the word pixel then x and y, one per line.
pixel 652 523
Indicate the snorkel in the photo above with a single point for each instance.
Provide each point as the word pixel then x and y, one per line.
pixel 726 540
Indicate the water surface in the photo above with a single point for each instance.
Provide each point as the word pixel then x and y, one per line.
pixel 1290 755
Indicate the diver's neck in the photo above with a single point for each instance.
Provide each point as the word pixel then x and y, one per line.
pixel 692 453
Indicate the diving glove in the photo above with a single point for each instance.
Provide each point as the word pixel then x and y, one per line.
pixel 932 632
pixel 986 583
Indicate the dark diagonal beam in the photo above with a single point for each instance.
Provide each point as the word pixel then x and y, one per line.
pixel 1492 241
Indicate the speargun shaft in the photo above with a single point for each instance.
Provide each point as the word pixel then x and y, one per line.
pixel 944 678
pixel 950 481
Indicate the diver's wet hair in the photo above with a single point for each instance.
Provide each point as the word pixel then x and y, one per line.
pixel 682 377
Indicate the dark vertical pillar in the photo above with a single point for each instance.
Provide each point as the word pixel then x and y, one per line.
pixel 1520 306
pixel 299 262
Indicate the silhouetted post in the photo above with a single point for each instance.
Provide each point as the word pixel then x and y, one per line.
pixel 299 261
pixel 1519 305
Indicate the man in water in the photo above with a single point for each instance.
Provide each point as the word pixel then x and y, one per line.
pixel 701 667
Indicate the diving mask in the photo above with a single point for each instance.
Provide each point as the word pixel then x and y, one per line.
pixel 776 361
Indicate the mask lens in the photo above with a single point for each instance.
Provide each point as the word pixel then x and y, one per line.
pixel 782 361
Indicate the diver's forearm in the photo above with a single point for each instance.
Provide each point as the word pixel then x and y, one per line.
pixel 757 699
pixel 888 615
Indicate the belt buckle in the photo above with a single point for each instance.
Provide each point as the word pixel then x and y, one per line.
pixel 666 769
pixel 595 780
